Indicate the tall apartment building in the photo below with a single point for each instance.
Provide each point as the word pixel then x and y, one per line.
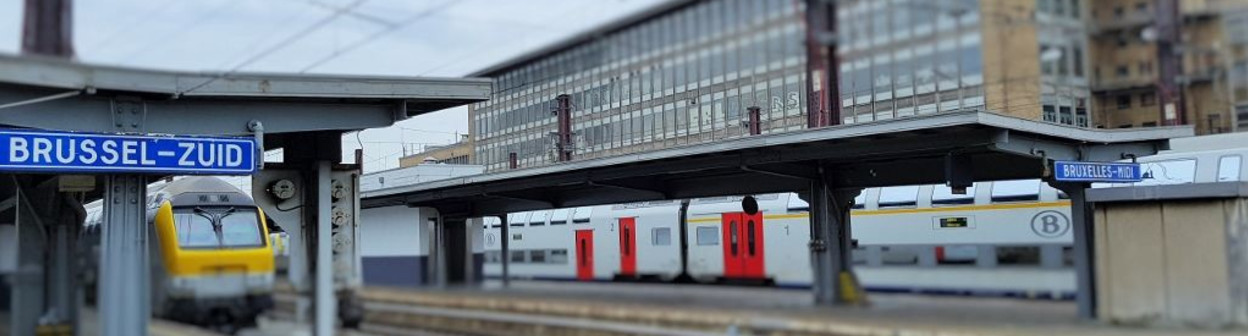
pixel 1212 49
pixel 686 71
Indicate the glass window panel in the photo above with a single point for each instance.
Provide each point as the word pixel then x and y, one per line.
pixel 518 219
pixel 899 196
pixel 241 228
pixel 582 215
pixel 194 229
pixel 1015 190
pixel 661 236
pixel 1229 168
pixel 1168 172
pixel 943 195
pixel 708 235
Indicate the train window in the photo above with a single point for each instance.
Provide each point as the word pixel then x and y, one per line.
pixel 797 204
pixel 518 256
pixel 943 195
pixel 240 227
pixel 899 255
pixel 708 236
pixel 661 236
pixel 860 201
pixel 518 219
pixel 559 216
pixel 1018 255
pixel 539 218
pixel 1016 191
pixel 493 257
pixel 194 229
pixel 903 196
pixel 581 215
pixel 537 256
pixel 1168 172
pixel 558 256
pixel 493 222
pixel 1228 168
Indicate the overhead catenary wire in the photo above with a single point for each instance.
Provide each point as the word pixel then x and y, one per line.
pixel 308 30
pixel 389 29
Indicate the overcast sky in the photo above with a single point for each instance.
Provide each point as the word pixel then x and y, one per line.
pixel 442 38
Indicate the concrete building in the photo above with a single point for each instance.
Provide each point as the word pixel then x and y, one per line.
pixel 685 72
pixel 459 153
pixel 1213 47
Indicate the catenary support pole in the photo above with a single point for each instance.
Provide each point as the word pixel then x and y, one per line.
pixel 123 287
pixel 505 241
pixel 325 303
pixel 831 245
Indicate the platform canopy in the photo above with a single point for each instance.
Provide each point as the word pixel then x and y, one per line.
pixel 906 151
pixel 56 94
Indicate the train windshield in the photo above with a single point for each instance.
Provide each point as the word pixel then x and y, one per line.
pixel 217 227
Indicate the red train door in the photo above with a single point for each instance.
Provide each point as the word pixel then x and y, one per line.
pixel 752 246
pixel 584 255
pixel 743 245
pixel 628 246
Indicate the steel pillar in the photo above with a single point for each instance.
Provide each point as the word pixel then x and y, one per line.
pixel 324 301
pixel 504 240
pixel 124 306
pixel 1082 226
pixel 28 279
pixel 439 253
pixel 830 245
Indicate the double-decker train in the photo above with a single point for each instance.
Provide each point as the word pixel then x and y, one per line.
pixel 211 260
pixel 999 238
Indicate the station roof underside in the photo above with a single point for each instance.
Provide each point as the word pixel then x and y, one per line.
pixel 895 152
pixel 43 93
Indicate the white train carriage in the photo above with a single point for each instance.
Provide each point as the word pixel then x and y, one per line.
pixel 1003 237
pixel 588 243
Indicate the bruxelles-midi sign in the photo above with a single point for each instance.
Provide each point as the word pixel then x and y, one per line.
pixel 66 152
pixel 1080 171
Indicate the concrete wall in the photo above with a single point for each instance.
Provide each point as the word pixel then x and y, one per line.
pixel 395 246
pixel 1177 262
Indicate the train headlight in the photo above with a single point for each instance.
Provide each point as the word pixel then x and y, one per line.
pixel 259 282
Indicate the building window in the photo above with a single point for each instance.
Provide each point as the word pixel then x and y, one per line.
pixel 1046 66
pixel 1118 12
pixel 1122 71
pixel 1141 7
pixel 1147 124
pixel 1050 114
pixel 1074 8
pixel 1124 102
pixel 1076 55
pixel 1146 67
pixel 1064 116
pixel 1148 99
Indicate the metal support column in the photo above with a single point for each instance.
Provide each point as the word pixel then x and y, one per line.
pixel 124 306
pixel 325 303
pixel 505 241
pixel 1082 227
pixel 831 245
pixel 439 253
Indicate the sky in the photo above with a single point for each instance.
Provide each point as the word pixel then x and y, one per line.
pixel 433 38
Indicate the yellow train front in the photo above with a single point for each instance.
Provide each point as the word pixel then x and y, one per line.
pixel 214 249
pixel 212 262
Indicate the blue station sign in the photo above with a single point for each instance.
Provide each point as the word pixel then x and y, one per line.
pixel 1079 171
pixel 66 152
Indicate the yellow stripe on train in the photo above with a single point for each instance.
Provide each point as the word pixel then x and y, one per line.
pixel 980 207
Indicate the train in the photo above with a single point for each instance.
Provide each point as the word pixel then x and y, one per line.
pixel 1010 238
pixel 211 258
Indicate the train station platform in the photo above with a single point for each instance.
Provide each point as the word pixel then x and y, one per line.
pixel 566 308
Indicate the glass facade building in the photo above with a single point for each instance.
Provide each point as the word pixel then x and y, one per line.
pixel 687 71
